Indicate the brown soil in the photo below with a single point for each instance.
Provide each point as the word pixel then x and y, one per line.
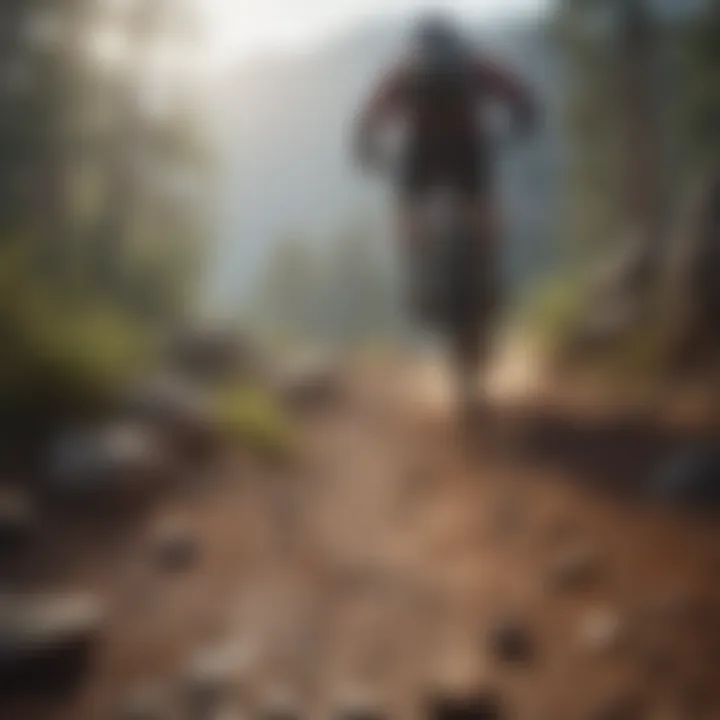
pixel 382 564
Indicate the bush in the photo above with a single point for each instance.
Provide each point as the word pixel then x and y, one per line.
pixel 553 313
pixel 636 358
pixel 250 415
pixel 62 355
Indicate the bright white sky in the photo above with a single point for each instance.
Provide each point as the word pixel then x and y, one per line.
pixel 243 27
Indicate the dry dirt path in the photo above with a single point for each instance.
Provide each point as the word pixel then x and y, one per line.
pixel 404 561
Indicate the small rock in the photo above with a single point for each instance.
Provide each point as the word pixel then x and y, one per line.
pixel 510 642
pixel 175 548
pixel 507 519
pixel 601 630
pixel 617 707
pixel 680 605
pixel 180 411
pixel 46 641
pixel 658 662
pixel 48 620
pixel 166 397
pixel 561 529
pixel 696 700
pixel 279 713
pixel 359 713
pixel 210 680
pixel 358 705
pixel 480 706
pixel 574 569
pixel 310 383
pixel 18 518
pixel 418 479
pixel 209 353
pixel 689 479
pixel 279 705
pixel 144 704
pixel 226 713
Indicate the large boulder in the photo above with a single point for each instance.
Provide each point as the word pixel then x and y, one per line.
pixel 89 462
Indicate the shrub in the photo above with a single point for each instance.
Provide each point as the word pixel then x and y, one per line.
pixel 250 415
pixel 62 354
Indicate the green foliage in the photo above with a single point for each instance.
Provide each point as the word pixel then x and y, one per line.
pixel 629 361
pixel 639 358
pixel 249 415
pixel 644 118
pixel 101 227
pixel 595 180
pixel 62 353
pixel 553 312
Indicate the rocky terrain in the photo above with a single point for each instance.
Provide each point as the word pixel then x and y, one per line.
pixel 527 568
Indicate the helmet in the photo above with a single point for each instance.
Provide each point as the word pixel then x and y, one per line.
pixel 436 34
pixel 438 46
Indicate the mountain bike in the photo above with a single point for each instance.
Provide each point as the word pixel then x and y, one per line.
pixel 452 273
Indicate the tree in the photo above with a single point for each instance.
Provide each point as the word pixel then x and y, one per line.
pixel 700 101
pixel 102 204
pixel 618 154
pixel 645 127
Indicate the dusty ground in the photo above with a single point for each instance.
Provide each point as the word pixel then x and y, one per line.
pixel 404 560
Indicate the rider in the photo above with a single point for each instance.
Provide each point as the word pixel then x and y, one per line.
pixel 438 89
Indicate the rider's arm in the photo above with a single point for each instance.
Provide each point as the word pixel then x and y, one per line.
pixel 509 89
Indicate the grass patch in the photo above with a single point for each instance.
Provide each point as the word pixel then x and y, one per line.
pixel 250 416
pixel 552 313
pixel 65 360
pixel 634 359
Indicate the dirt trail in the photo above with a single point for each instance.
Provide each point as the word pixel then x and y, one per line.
pixel 404 560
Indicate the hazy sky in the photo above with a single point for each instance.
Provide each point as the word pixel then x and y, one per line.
pixel 242 27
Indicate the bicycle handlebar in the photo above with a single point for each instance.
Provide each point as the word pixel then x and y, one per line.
pixel 372 158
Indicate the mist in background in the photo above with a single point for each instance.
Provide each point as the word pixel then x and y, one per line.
pixel 286 124
pixel 166 163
